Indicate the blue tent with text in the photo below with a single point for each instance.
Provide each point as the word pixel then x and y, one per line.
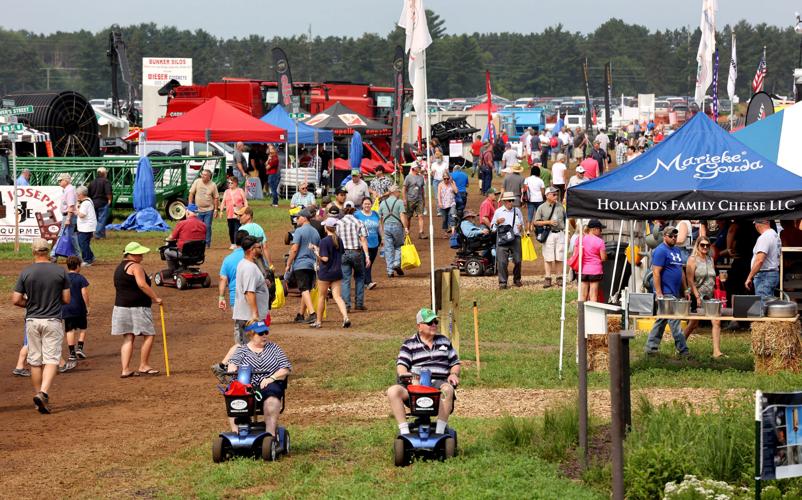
pixel 699 172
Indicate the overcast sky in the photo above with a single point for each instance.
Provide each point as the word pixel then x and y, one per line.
pixel 354 17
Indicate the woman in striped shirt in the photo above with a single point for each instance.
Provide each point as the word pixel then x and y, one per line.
pixel 267 357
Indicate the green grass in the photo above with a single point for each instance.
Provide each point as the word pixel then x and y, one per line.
pixel 355 461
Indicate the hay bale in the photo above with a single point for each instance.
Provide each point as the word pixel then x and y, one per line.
pixel 777 346
pixel 598 354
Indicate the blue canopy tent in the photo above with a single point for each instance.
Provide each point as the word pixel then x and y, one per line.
pixel 777 138
pixel 145 216
pixel 307 134
pixel 699 172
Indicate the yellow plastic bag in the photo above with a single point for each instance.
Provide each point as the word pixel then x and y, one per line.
pixel 314 294
pixel 294 210
pixel 528 253
pixel 278 302
pixel 375 206
pixel 409 255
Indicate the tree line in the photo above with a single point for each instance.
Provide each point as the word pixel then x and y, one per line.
pixel 546 63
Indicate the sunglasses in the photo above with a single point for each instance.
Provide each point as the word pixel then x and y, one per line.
pixel 704 245
pixel 432 322
pixel 262 334
pixel 672 236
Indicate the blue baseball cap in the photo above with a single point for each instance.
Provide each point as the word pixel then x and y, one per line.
pixel 257 327
pixel 192 207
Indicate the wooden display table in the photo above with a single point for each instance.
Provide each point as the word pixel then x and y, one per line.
pixel 702 317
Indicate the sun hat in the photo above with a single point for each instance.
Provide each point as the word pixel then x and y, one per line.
pixel 508 196
pixel 517 169
pixel 468 213
pixel 192 208
pixel 64 176
pixel 392 189
pixel 425 315
pixel 243 211
pixel 135 248
pixel 552 189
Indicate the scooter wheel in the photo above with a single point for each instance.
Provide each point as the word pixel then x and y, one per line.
pixel 449 448
pixel 474 267
pixel 157 278
pixel 400 453
pixel 181 282
pixel 286 442
pixel 218 450
pixel 269 449
pixel 207 282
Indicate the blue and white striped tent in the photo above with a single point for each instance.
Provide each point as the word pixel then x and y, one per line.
pixel 777 138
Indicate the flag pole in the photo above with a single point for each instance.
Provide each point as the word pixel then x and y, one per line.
pixel 427 132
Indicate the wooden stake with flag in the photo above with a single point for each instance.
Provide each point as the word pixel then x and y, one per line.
pixel 760 74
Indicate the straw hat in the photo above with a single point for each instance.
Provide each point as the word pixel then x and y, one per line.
pixel 508 196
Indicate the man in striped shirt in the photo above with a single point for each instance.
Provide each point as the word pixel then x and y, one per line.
pixel 426 349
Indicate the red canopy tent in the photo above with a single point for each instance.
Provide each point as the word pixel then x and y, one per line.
pixel 216 120
pixel 483 107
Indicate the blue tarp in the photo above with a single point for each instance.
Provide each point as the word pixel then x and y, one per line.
pixel 777 137
pixel 307 134
pixel 355 151
pixel 699 172
pixel 145 216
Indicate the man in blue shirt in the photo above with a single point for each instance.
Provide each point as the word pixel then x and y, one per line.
pixel 460 179
pixel 24 178
pixel 669 280
pixel 301 262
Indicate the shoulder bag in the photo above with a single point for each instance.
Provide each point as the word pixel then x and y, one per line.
pixel 544 235
pixel 505 234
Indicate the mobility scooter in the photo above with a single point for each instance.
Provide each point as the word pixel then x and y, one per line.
pixel 185 273
pixel 474 255
pixel 243 403
pixel 422 440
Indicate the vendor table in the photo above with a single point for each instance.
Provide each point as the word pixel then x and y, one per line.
pixel 702 317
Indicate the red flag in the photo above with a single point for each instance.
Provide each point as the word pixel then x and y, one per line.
pixel 594 114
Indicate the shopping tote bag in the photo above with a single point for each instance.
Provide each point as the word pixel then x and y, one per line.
pixel 528 253
pixel 409 255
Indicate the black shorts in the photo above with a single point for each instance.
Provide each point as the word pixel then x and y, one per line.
pixel 305 278
pixel 78 323
pixel 591 278
pixel 274 390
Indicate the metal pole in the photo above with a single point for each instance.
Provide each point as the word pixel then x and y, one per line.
pixel 625 382
pixel 583 382
pixel 16 198
pixel 427 132
pixel 758 450
pixel 297 163
pixel 616 423
pixel 562 305
pixel 476 339
pixel 615 262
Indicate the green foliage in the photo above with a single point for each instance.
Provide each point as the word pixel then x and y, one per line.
pixel 543 63
pixel 550 438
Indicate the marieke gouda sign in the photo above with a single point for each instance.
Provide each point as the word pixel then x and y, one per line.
pixel 31 200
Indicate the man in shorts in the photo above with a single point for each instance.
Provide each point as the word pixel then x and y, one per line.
pixel 412 195
pixel 252 297
pixel 42 289
pixel 552 215
pixel 301 262
pixel 426 349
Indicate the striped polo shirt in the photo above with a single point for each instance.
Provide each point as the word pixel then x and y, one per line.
pixel 270 360
pixel 416 355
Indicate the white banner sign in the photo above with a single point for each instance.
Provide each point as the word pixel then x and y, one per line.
pixel 31 200
pixel 156 72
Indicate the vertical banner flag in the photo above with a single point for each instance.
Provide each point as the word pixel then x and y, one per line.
pixel 715 87
pixel 588 117
pixel 413 20
pixel 608 96
pixel 283 78
pixel 489 96
pixel 398 103
pixel 733 72
pixel 760 74
pixel 707 43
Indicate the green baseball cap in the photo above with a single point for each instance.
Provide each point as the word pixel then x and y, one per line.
pixel 135 248
pixel 425 315
pixel 492 191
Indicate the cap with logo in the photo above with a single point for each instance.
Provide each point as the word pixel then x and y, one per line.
pixel 257 327
pixel 425 315
pixel 340 190
pixel 670 230
pixel 355 172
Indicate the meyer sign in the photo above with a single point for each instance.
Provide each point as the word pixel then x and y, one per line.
pixel 156 72
pixel 32 200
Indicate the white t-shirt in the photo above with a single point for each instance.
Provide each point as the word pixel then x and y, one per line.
pixel 438 169
pixel 87 223
pixel 558 173
pixel 564 138
pixel 510 158
pixel 769 244
pixel 525 142
pixel 574 181
pixel 534 186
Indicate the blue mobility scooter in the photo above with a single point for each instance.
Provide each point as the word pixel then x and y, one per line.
pixel 422 440
pixel 243 403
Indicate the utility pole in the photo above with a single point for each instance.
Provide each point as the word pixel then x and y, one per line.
pixel 309 46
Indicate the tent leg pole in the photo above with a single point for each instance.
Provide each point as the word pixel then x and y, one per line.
pixel 615 262
pixel 562 305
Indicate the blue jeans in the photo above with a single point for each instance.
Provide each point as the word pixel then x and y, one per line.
pixel 273 180
pixel 102 218
pixel 656 335
pixel 485 179
pixel 206 218
pixel 497 163
pixel 531 208
pixel 449 216
pixel 766 282
pixel 393 240
pixel 353 265
pixel 86 251
pixel 71 233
